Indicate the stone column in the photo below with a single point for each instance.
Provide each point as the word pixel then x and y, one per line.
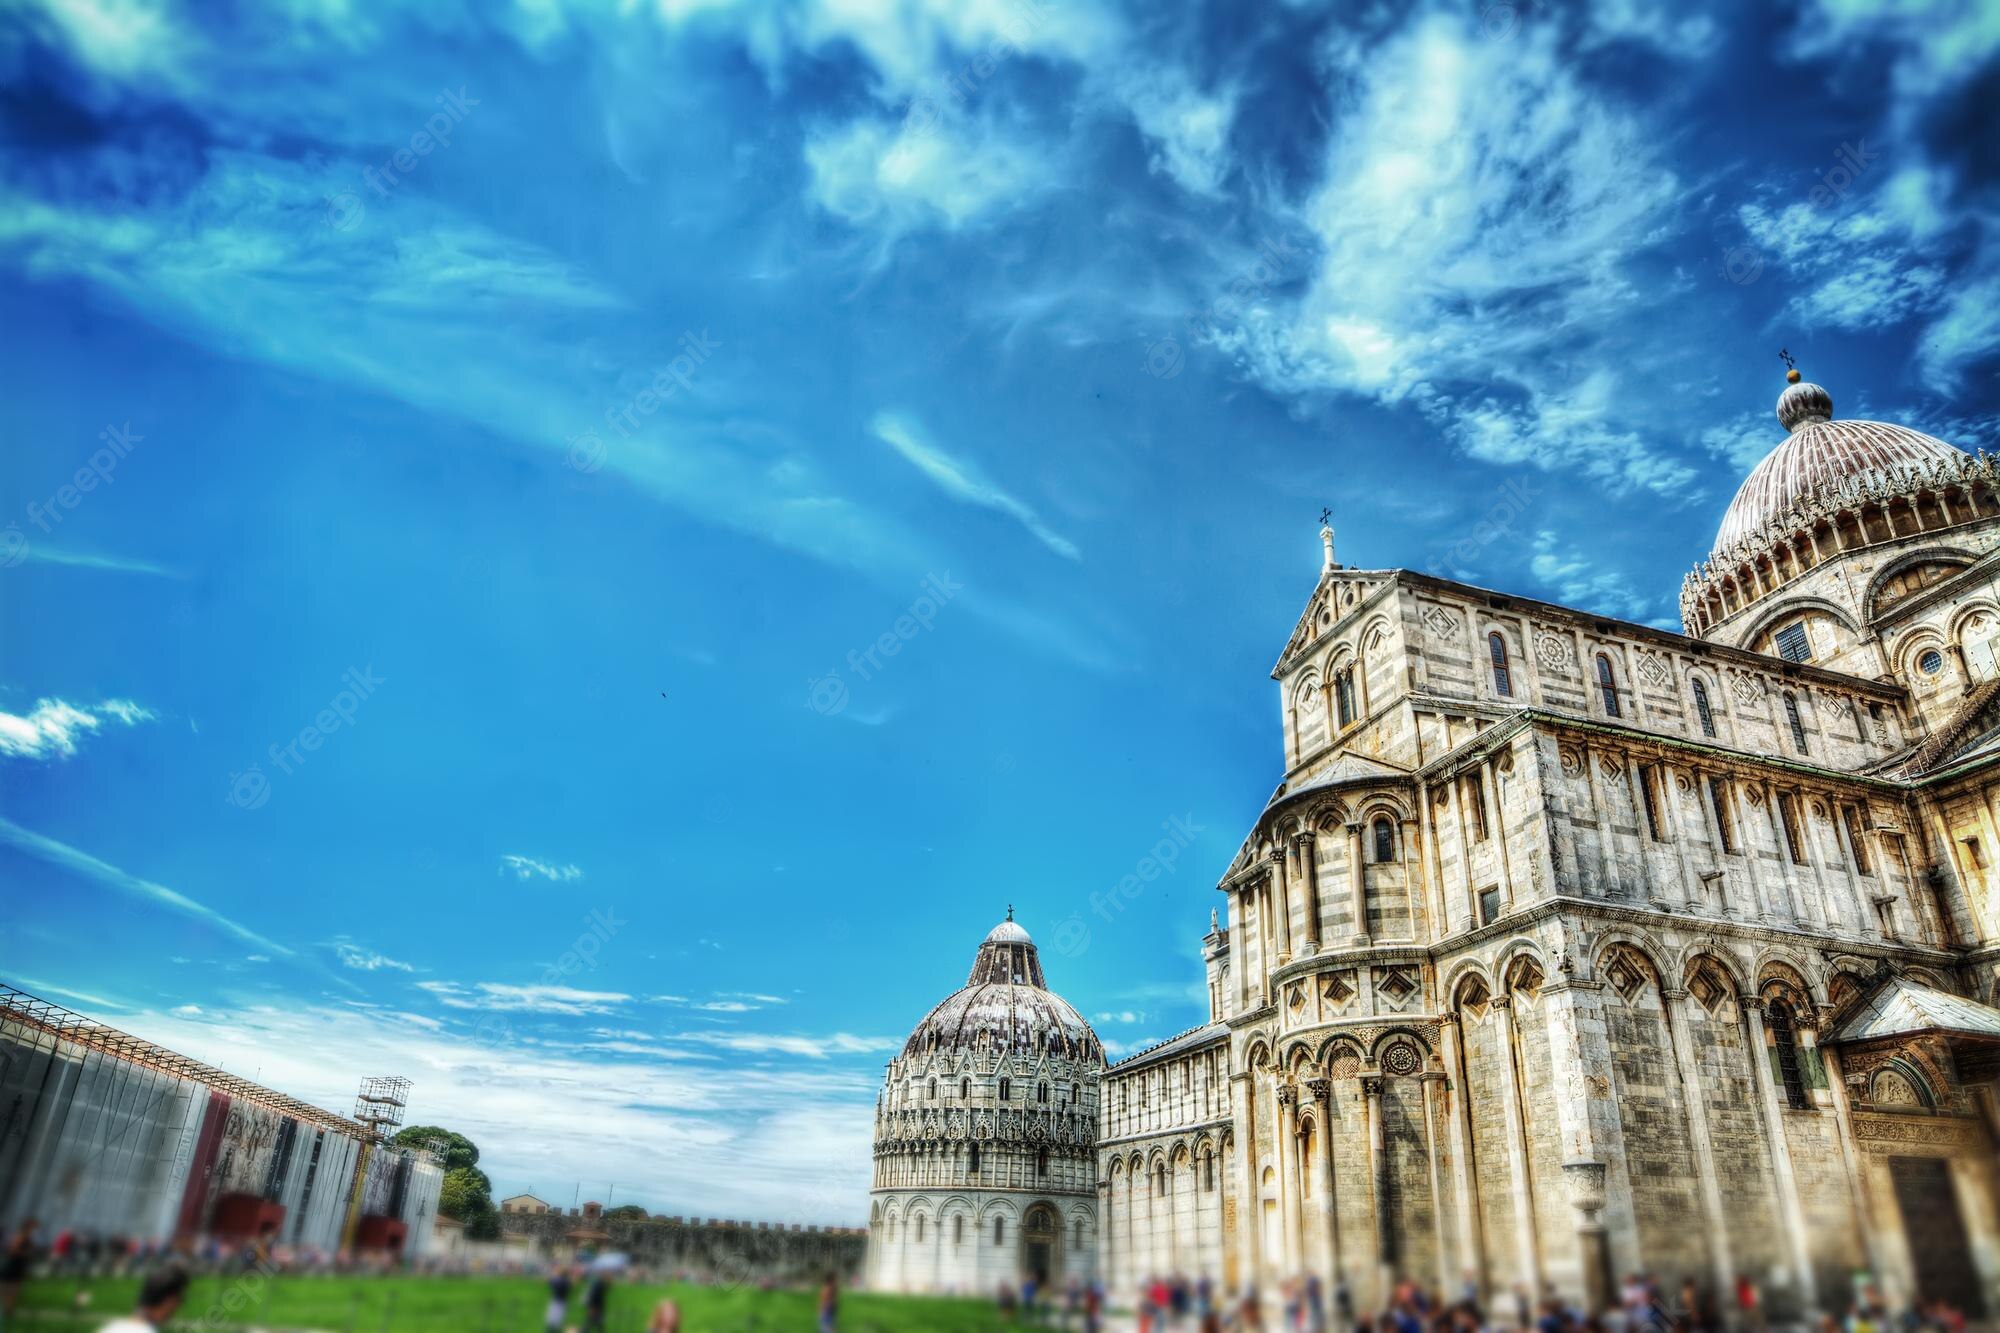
pixel 1384 1275
pixel 1308 879
pixel 1789 1208
pixel 1239 947
pixel 1586 1196
pixel 1432 1086
pixel 1321 1091
pixel 1242 1105
pixel 1857 1185
pixel 1470 1244
pixel 1526 1252
pixel 1714 1221
pixel 1282 893
pixel 1288 1173
pixel 1357 886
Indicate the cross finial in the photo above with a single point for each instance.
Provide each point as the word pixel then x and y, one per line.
pixel 1325 516
pixel 1010 911
pixel 1786 357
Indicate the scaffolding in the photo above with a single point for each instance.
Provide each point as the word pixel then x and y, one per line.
pixel 17 1006
pixel 380 1105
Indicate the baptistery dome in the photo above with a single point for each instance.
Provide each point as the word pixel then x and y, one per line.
pixel 1005 1005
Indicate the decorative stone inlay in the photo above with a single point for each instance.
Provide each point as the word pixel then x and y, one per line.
pixel 1654 671
pixel 1395 983
pixel 1610 767
pixel 1748 689
pixel 1337 987
pixel 1572 762
pixel 1440 621
pixel 1401 1058
pixel 1554 651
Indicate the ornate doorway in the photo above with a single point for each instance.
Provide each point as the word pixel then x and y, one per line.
pixel 1041 1239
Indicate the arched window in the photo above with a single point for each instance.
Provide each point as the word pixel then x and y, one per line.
pixel 1042 1093
pixel 1005 1089
pixel 1208 1172
pixel 1784 1039
pixel 1607 685
pixel 1798 723
pixel 1042 1162
pixel 965 1089
pixel 920 1228
pixel 972 1159
pixel 1343 696
pixel 1385 840
pixel 1702 712
pixel 958 1228
pixel 999 1231
pixel 1496 646
pixel 933 1092
pixel 1079 1234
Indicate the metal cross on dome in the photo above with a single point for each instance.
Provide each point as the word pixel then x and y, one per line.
pixel 1786 357
pixel 1325 516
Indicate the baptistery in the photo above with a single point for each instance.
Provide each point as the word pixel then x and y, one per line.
pixel 985 1133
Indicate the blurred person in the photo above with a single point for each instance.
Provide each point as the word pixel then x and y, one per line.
pixel 667 1319
pixel 557 1314
pixel 1093 1308
pixel 1749 1308
pixel 14 1265
pixel 1007 1301
pixel 1289 1301
pixel 596 1295
pixel 829 1303
pixel 159 1297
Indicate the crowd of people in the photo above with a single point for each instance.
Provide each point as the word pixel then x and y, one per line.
pixel 1643 1305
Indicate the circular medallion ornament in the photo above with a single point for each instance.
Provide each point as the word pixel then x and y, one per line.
pixel 1401 1058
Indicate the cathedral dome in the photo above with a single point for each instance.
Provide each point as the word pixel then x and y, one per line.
pixel 1820 455
pixel 1006 1005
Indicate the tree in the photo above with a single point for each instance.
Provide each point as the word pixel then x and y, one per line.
pixel 626 1212
pixel 467 1196
pixel 459 1150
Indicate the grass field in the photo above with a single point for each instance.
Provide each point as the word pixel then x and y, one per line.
pixel 483 1305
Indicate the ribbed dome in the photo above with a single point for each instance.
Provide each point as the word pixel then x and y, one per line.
pixel 1818 454
pixel 1006 1005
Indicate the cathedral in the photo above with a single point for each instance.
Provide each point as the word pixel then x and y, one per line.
pixel 1565 947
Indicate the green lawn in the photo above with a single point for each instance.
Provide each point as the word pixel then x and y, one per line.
pixel 485 1305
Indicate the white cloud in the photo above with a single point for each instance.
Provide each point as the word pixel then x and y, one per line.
pixel 53 727
pixel 1476 215
pixel 527 867
pixel 1744 439
pixel 366 960
pixel 902 176
pixel 115 564
pixel 85 866
pixel 1576 578
pixel 963 481
pixel 811 1047
pixel 1188 129
pixel 501 997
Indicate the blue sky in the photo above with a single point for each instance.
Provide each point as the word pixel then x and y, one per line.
pixel 617 540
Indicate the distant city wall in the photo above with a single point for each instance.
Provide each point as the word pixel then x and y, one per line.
pixel 709 1249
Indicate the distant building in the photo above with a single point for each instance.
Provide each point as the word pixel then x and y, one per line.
pixel 523 1203
pixel 985 1136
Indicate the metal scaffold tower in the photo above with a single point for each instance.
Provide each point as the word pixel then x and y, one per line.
pixel 380 1104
